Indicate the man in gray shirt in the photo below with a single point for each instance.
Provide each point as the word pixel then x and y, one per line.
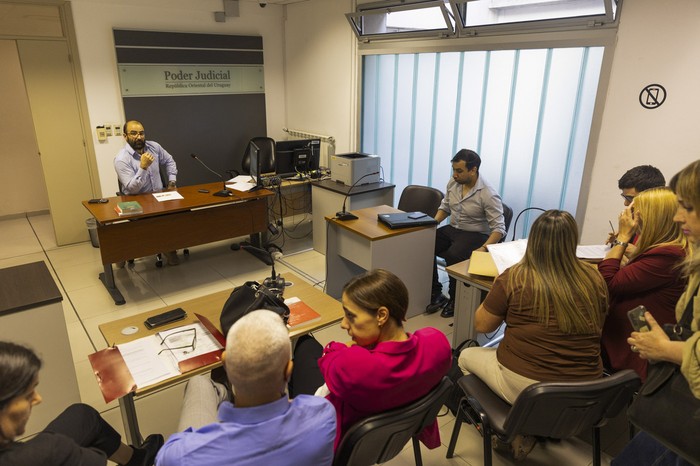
pixel 476 220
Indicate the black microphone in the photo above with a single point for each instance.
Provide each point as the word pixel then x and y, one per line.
pixel 343 215
pixel 224 192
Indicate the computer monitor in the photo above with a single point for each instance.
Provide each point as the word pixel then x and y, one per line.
pixel 297 156
pixel 254 152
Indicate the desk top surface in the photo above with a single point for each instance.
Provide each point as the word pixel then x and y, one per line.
pixel 368 225
pixel 341 188
pixel 27 286
pixel 105 213
pixel 210 307
pixel 459 271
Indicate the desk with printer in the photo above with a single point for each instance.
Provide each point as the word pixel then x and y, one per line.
pixel 354 181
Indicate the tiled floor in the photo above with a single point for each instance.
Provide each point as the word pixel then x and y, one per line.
pixel 211 268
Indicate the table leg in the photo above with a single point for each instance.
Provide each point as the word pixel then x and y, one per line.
pixel 107 279
pixel 467 301
pixel 131 422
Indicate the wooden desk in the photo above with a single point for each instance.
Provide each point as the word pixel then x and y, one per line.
pixel 199 218
pixel 210 307
pixel 355 246
pixel 469 288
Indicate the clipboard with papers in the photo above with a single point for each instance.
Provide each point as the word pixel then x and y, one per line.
pixel 501 256
pixel 147 361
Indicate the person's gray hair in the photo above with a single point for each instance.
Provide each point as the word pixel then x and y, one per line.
pixel 257 351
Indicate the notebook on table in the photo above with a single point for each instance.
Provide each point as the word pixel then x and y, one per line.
pixel 406 219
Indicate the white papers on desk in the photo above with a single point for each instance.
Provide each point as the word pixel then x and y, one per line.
pixel 167 196
pixel 240 179
pixel 511 252
pixel 507 254
pixel 147 367
pixel 242 187
pixel 243 183
pixel 592 251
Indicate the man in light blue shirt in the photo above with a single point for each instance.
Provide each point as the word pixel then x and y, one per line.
pixel 138 168
pixel 476 220
pixel 138 163
pixel 261 426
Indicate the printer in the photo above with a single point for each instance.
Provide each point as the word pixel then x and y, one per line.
pixel 350 168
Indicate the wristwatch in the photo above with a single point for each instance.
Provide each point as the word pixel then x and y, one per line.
pixel 617 243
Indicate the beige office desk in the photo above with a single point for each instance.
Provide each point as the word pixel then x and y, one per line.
pixel 355 246
pixel 468 299
pixel 210 307
pixel 328 196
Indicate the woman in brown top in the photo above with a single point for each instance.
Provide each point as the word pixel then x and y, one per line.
pixel 553 305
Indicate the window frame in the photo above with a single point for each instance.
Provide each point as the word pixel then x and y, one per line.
pixel 580 22
pixel 382 8
pixel 453 13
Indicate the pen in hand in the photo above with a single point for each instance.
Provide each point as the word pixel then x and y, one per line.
pixel 611 236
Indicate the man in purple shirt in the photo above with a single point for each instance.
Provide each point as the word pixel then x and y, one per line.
pixel 261 426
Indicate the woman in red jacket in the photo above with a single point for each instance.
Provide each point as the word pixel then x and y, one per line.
pixel 652 277
pixel 384 367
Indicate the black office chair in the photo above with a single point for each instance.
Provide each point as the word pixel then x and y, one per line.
pixel 267 156
pixel 415 198
pixel 507 218
pixel 381 437
pixel 548 409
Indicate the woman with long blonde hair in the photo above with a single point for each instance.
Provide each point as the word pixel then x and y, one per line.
pixel 652 277
pixel 553 305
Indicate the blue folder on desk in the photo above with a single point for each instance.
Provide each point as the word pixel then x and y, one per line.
pixel 406 219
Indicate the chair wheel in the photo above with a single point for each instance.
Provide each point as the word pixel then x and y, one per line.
pixel 186 252
pixel 159 263
pixel 131 261
pixel 235 247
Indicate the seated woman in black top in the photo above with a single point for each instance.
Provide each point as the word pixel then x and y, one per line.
pixel 77 437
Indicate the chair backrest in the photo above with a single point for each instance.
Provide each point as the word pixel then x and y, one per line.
pixel 565 409
pixel 507 218
pixel 266 154
pixel 381 437
pixel 415 198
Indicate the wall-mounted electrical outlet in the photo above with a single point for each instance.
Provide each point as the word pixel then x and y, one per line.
pixel 108 129
pixel 117 130
pixel 101 133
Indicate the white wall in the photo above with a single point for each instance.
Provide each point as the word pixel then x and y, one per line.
pixel 658 42
pixel 321 64
pixel 94 21
pixel 318 90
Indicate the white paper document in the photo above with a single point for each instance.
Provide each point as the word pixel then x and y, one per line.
pixel 240 179
pixel 242 187
pixel 507 254
pixel 511 252
pixel 167 196
pixel 593 251
pixel 155 358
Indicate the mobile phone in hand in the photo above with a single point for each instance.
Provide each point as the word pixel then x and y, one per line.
pixel 636 317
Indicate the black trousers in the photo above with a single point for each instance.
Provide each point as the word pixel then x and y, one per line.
pixel 85 426
pixel 454 246
pixel 306 375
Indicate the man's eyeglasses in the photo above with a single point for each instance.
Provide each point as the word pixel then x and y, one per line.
pixel 133 134
pixel 180 340
pixel 627 197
